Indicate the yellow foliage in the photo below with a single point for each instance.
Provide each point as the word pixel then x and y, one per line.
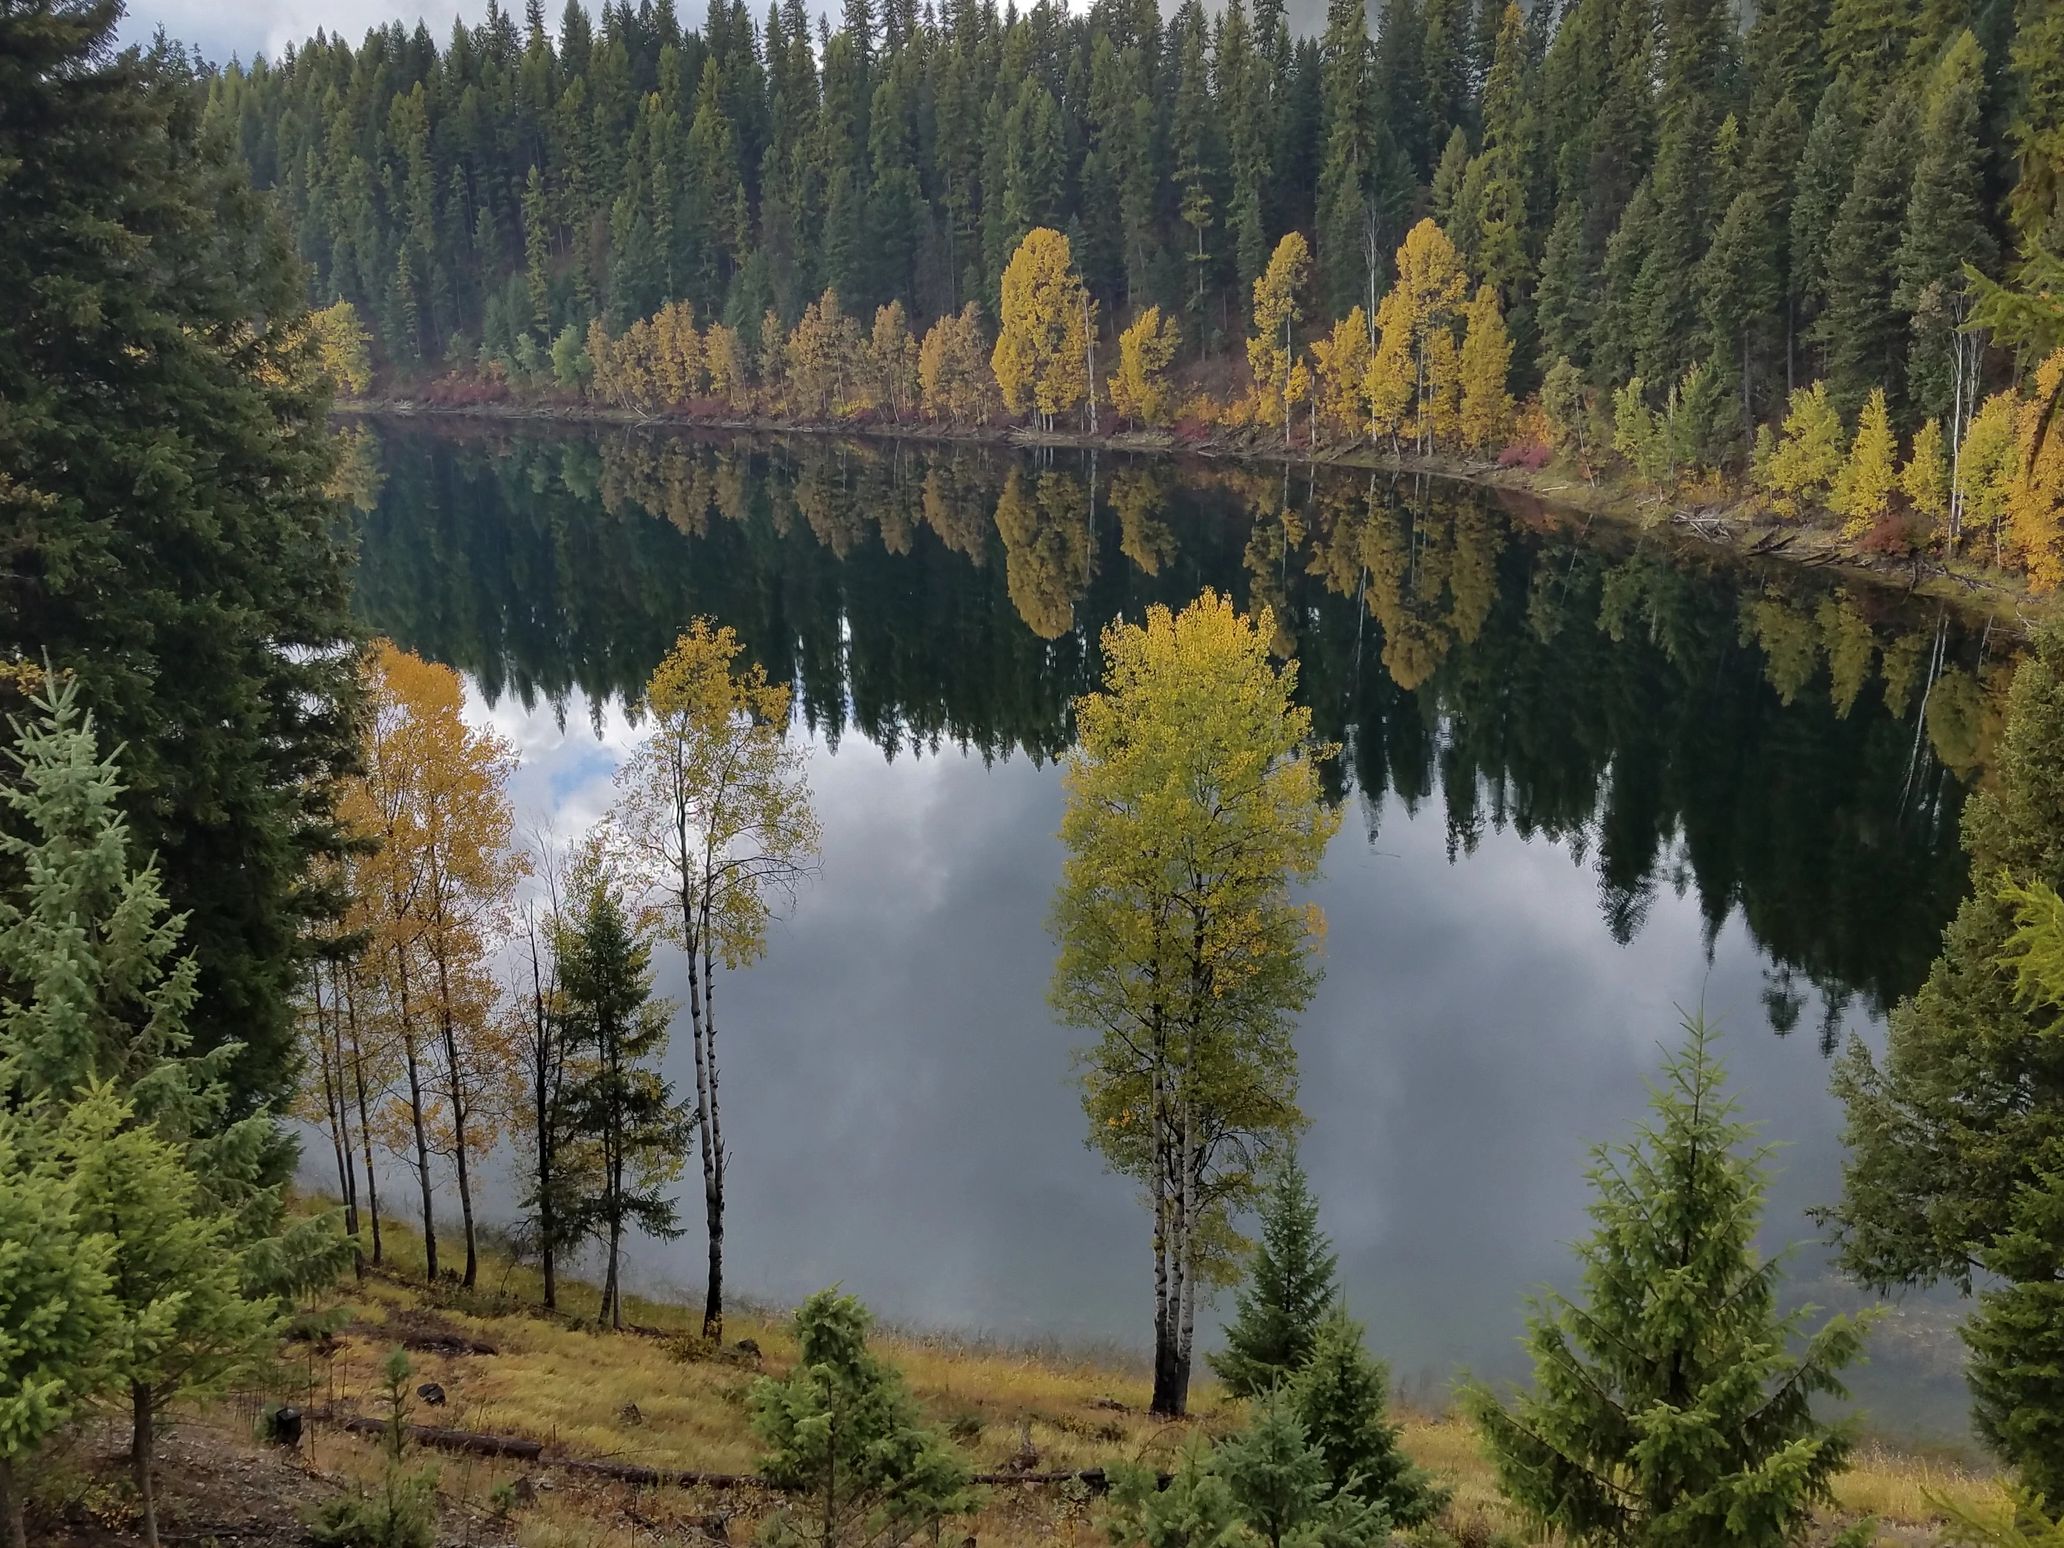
pixel 1925 478
pixel 1391 385
pixel 677 356
pixel 1342 366
pixel 1277 309
pixel 953 377
pixel 1986 464
pixel 1041 359
pixel 893 355
pixel 1486 370
pixel 339 348
pixel 821 358
pixel 723 357
pixel 1139 387
pixel 1807 459
pixel 2035 502
pixel 1863 492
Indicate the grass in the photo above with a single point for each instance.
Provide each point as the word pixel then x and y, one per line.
pixel 635 1398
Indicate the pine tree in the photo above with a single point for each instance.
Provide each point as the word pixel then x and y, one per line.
pixel 1283 1488
pixel 616 1099
pixel 95 1054
pixel 1290 1288
pixel 1944 229
pixel 1826 168
pixel 1340 1396
pixel 1954 1132
pixel 1670 1407
pixel 54 1310
pixel 1862 330
pixel 846 1438
pixel 165 516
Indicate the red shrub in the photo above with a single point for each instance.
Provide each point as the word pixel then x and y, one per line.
pixel 1530 455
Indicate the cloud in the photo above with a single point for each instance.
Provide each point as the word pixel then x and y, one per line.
pixel 268 26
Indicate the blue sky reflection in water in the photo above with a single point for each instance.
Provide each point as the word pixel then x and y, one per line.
pixel 898 1098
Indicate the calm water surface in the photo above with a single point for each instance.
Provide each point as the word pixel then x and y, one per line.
pixel 1589 780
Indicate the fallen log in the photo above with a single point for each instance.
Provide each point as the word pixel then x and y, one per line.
pixel 438 1438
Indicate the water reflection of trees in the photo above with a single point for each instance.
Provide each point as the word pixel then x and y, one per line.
pixel 1783 749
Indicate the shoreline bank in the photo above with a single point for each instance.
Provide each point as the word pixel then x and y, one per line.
pixel 1724 526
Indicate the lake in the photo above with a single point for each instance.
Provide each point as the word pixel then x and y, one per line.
pixel 1589 778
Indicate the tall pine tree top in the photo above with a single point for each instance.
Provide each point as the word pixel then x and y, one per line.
pixel 1288 1293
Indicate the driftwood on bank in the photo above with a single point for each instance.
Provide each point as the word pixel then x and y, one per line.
pixel 517 1448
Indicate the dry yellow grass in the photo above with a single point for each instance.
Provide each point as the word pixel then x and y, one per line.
pixel 631 1397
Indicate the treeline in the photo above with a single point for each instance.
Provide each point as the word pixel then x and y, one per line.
pixel 1617 703
pixel 1702 219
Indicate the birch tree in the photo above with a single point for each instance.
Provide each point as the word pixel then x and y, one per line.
pixel 1193 806
pixel 715 810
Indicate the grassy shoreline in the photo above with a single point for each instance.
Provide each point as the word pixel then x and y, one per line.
pixel 662 1398
pixel 1728 524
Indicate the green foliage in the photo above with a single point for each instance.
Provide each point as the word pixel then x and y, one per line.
pixel 164 522
pixel 1283 1489
pixel 1670 1407
pixel 1290 1287
pixel 1195 1510
pixel 54 1309
pixel 2026 1524
pixel 1949 1128
pixel 403 1513
pixel 845 1436
pixel 1340 1398
pixel 625 1130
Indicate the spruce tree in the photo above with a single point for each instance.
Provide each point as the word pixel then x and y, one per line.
pixel 1290 1287
pixel 616 1099
pixel 845 1437
pixel 164 530
pixel 1283 1489
pixel 1670 1407
pixel 1824 174
pixel 1340 1397
pixel 94 1053
pixel 1945 228
pixel 54 1310
pixel 1862 329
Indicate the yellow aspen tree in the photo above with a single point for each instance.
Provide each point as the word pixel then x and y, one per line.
pixel 1440 393
pixel 1986 465
pixel 1341 363
pixel 1193 795
pixel 892 353
pixel 602 362
pixel 1434 287
pixel 955 382
pixel 1863 492
pixel 676 364
pixel 714 807
pixel 1802 467
pixel 339 348
pixel 1139 387
pixel 1486 366
pixel 2035 501
pixel 821 358
pixel 723 356
pixel 1391 384
pixel 1278 308
pixel 770 363
pixel 1925 479
pixel 1042 356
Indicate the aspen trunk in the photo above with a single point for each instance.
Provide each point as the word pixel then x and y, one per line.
pixel 455 1074
pixel 365 1136
pixel 713 1155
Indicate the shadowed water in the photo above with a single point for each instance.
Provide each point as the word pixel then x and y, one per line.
pixel 1590 779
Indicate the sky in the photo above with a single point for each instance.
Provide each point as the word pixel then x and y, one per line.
pixel 248 27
